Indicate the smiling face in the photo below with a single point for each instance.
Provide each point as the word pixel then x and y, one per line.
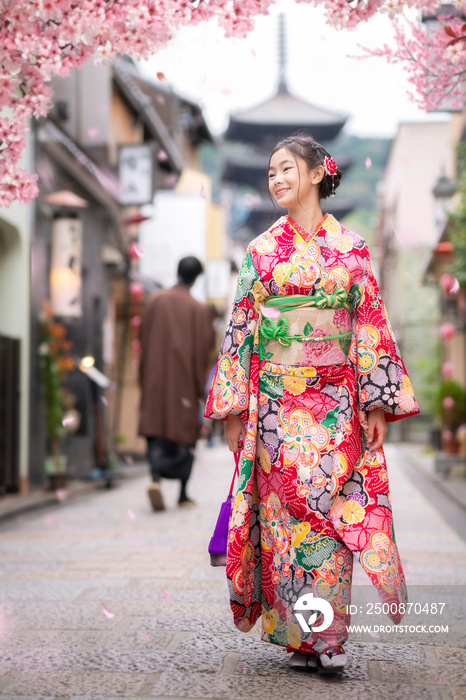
pixel 291 183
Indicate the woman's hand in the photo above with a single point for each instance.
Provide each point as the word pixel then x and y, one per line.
pixel 235 433
pixel 377 429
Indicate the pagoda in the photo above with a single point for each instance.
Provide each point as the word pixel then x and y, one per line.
pixel 250 137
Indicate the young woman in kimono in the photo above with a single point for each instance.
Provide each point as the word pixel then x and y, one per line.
pixel 308 376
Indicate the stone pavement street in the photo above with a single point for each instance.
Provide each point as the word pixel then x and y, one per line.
pixel 101 598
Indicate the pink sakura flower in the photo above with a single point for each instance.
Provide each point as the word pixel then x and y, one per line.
pixel 456 53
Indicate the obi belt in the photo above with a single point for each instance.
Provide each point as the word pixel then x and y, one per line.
pixel 306 330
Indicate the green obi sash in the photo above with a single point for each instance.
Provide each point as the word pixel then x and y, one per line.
pixel 305 332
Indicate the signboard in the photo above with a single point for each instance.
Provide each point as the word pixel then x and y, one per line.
pixel 218 273
pixel 135 174
pixel 177 228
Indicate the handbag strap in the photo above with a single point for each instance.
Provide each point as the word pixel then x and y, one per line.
pixel 237 456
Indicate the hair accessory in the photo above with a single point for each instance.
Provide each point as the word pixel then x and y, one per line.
pixel 331 169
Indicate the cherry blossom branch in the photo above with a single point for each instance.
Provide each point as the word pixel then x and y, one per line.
pixel 43 38
pixel 434 60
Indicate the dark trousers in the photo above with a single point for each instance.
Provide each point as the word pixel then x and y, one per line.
pixel 170 460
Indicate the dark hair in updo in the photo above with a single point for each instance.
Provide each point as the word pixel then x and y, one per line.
pixel 313 154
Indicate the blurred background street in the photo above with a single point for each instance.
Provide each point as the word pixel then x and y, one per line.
pixel 101 597
pixel 140 164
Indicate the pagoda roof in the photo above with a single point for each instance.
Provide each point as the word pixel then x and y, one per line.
pixel 281 115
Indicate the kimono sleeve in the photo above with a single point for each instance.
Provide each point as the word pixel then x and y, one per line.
pixel 229 391
pixel 381 374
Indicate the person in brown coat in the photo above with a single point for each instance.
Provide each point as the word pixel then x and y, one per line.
pixel 176 340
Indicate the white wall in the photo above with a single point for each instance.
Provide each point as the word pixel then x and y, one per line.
pixel 177 228
pixel 420 155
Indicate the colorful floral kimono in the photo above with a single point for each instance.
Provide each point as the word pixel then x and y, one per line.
pixel 308 351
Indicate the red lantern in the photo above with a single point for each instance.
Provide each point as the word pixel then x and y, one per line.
pixel 447 369
pixel 448 403
pixel 136 290
pixel 447 282
pixel 447 331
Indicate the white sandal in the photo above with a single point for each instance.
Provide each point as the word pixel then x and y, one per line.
pixel 302 662
pixel 333 661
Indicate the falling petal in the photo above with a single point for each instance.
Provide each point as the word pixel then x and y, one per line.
pixel 145 638
pixel 107 612
pixel 374 635
pixel 368 163
pixel 61 494
pixel 269 312
pixel 202 192
pixel 128 459
pixel 49 520
pixel 160 75
pixel 104 400
pixel 93 132
pixel 130 515
pixel 162 156
pixel 186 402
pixel 455 287
pixel 165 595
pixel 160 99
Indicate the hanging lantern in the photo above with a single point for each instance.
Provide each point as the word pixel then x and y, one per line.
pixel 65 268
pixel 447 331
pixel 448 403
pixel 136 290
pixel 447 369
pixel 447 282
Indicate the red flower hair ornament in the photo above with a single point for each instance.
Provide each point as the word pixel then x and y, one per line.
pixel 330 166
pixel 331 169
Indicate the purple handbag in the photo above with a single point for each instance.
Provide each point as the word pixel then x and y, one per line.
pixel 219 540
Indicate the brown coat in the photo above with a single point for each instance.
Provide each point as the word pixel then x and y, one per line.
pixel 176 340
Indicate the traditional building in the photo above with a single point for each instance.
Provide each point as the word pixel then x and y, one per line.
pixel 112 140
pixel 250 136
pixel 408 230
